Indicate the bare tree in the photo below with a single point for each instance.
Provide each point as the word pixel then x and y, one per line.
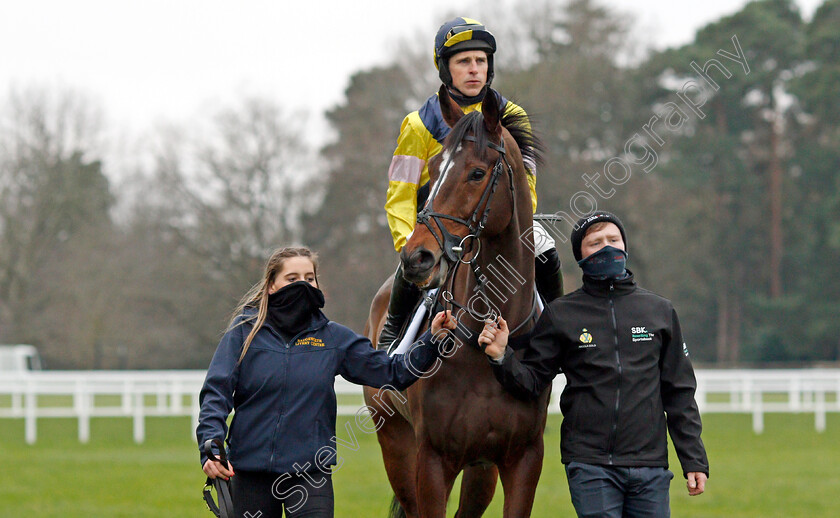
pixel 52 190
pixel 236 192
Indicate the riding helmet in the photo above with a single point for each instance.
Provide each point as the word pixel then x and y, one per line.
pixel 458 35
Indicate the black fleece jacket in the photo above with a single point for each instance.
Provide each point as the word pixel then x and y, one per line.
pixel 628 376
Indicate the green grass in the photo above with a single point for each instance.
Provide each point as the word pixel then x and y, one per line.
pixel 788 471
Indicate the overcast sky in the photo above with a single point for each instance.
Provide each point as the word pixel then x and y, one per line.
pixel 163 60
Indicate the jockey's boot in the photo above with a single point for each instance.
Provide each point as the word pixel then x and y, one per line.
pixel 404 296
pixel 548 277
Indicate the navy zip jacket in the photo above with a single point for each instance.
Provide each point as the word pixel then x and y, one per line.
pixel 628 376
pixel 283 392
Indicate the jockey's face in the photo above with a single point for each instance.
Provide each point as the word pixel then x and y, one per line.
pixel 595 240
pixel 294 269
pixel 469 71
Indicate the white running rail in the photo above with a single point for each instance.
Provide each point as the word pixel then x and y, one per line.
pixel 139 394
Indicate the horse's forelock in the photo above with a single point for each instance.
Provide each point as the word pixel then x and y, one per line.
pixel 517 123
pixel 471 123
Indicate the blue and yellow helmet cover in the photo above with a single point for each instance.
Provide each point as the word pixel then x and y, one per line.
pixel 458 35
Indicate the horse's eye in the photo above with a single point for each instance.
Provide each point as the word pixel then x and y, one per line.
pixel 477 174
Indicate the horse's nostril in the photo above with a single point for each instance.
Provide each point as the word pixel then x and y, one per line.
pixel 423 259
pixel 417 265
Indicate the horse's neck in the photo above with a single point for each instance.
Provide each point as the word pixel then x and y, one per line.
pixel 506 259
pixel 508 266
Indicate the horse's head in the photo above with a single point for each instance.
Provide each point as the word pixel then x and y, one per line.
pixel 471 195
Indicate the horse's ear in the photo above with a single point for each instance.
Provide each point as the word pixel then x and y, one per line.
pixel 448 107
pixel 490 109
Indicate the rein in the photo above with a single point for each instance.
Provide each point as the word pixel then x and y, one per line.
pixel 224 509
pixel 453 248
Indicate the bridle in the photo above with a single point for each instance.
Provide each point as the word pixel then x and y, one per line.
pixel 453 247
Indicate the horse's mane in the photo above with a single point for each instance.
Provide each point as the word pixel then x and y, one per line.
pixel 516 122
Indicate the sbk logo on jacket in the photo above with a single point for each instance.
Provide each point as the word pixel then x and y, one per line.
pixel 641 334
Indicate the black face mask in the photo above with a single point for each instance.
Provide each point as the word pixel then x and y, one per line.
pixel 464 101
pixel 291 307
pixel 606 263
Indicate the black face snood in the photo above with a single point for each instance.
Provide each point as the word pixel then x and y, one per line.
pixel 464 101
pixel 606 263
pixel 291 307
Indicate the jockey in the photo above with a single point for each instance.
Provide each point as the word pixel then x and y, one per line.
pixel 463 55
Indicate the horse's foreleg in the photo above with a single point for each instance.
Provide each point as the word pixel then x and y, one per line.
pixel 434 482
pixel 477 487
pixel 399 452
pixel 519 480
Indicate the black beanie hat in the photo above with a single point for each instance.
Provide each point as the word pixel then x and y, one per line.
pixel 584 223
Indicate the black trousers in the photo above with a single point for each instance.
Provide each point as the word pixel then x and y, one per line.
pixel 268 495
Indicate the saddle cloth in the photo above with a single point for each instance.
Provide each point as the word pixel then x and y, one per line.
pixel 420 314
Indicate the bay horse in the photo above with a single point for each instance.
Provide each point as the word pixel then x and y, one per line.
pixel 459 418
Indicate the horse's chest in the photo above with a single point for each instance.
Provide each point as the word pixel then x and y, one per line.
pixel 473 414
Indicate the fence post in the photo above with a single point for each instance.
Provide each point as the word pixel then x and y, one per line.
pixel 139 423
pixel 746 394
pixel 176 403
pixel 31 412
pixel 819 411
pixel 758 415
pixel 81 404
pixel 795 394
